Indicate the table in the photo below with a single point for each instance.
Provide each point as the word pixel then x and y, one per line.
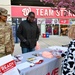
pixel 48 67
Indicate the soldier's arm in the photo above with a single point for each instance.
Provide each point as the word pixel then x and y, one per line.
pixel 12 38
pixel 11 35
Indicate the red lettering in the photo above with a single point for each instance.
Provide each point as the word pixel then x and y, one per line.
pixel 1 72
pixel 7 66
pixel 48 73
pixel 55 71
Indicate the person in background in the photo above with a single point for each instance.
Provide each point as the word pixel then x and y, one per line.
pixel 28 33
pixel 68 66
pixel 6 38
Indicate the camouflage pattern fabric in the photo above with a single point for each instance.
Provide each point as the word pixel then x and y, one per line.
pixel 6 39
pixel 4 12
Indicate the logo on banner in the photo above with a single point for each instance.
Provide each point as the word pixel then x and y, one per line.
pixel 26 10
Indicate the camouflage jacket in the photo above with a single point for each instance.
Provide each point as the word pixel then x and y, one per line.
pixel 6 38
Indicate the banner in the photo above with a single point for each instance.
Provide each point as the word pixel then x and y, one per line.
pixel 40 12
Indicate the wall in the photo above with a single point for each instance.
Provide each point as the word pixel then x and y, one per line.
pixel 5 2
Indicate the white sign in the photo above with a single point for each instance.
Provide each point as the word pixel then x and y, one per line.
pixel 55 21
pixel 8 66
pixel 41 21
pixel 43 29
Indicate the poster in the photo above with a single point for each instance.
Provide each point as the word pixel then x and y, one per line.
pixel 8 66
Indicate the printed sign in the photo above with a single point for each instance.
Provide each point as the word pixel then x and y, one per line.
pixel 64 21
pixel 40 12
pixel 8 66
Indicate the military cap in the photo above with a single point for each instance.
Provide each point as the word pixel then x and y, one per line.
pixel 4 12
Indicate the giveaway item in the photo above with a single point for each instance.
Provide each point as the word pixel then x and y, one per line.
pixel 18 58
pixel 63 49
pixel 39 62
pixel 30 59
pixel 47 54
pixel 36 54
pixel 56 52
pixel 36 60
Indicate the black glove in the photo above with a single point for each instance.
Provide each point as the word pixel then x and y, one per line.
pixel 26 42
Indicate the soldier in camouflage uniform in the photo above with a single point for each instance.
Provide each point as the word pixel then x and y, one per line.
pixel 6 38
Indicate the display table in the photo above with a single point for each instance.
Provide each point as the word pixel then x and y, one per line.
pixel 50 66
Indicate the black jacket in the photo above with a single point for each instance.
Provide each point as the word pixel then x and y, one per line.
pixel 28 31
